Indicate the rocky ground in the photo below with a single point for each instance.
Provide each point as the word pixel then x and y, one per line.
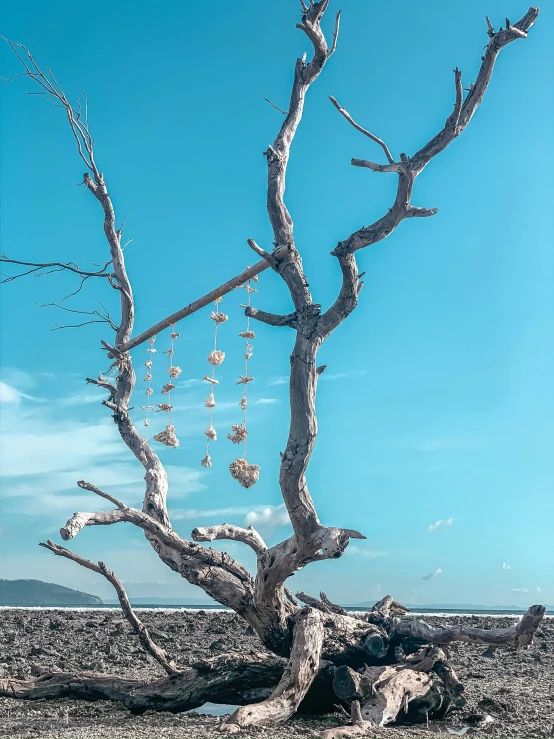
pixel 515 688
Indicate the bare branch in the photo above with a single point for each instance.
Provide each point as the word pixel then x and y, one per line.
pixel 138 627
pixel 271 319
pixel 283 112
pixel 188 310
pixel 519 635
pixel 365 132
pixel 335 34
pixel 248 536
pixel 93 489
pixel 162 533
pixel 35 267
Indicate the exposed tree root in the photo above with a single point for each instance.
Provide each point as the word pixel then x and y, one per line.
pixel 297 678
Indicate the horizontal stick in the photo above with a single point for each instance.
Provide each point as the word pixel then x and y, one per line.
pixel 188 310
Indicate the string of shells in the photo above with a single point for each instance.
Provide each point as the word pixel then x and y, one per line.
pixel 215 359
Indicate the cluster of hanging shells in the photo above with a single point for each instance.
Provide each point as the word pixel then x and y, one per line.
pixel 246 474
pixel 167 436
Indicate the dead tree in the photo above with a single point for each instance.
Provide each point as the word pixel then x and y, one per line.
pixel 377 663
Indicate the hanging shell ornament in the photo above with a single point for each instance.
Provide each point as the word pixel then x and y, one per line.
pixel 168 388
pixel 239 433
pixel 207 461
pixel 149 391
pixel 246 474
pixel 247 334
pixel 211 433
pixel 167 437
pixel 216 357
pixel 243 402
pixel 174 371
pixel 244 380
pixel 210 401
pixel 211 379
pixel 218 317
pixel 167 407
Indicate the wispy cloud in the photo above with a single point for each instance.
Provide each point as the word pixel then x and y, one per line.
pixel 45 450
pixel 439 524
pixel 11 395
pixel 539 589
pixel 506 566
pixel 433 574
pixel 343 375
pixel 365 552
pixel 265 401
pixel 520 590
pixel 268 517
pixel 177 514
pixel 81 399
pixel 280 380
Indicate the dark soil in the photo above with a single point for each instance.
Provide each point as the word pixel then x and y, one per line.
pixel 515 688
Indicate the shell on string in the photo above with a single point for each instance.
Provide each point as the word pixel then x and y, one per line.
pixel 246 474
pixel 207 461
pixel 167 437
pixel 210 401
pixel 216 357
pixel 146 422
pixel 249 288
pixel 218 317
pixel 149 391
pixel 148 364
pixel 147 377
pixel 244 380
pixel 168 388
pixel 174 371
pixel 152 350
pixel 167 407
pixel 239 433
pixel 174 335
pixel 243 402
pixel 211 433
pixel 247 334
pixel 213 381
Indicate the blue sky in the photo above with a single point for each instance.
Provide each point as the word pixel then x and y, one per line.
pixel 437 404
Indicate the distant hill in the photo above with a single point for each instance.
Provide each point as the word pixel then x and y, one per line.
pixel 38 593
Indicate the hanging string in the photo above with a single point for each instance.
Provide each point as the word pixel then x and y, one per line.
pixel 148 378
pixel 246 474
pixel 215 358
pixel 168 435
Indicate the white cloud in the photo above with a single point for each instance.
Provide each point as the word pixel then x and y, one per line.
pixel 193 513
pixel 44 451
pixel 268 517
pixel 9 394
pixel 520 590
pixel 367 553
pixel 265 401
pixel 433 574
pixel 343 375
pixel 280 380
pixel 506 566
pixel 539 590
pixel 438 524
pixel 79 399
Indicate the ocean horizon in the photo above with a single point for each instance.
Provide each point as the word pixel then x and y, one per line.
pixel 416 611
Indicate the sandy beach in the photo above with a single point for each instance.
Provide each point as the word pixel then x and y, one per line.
pixel 515 688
